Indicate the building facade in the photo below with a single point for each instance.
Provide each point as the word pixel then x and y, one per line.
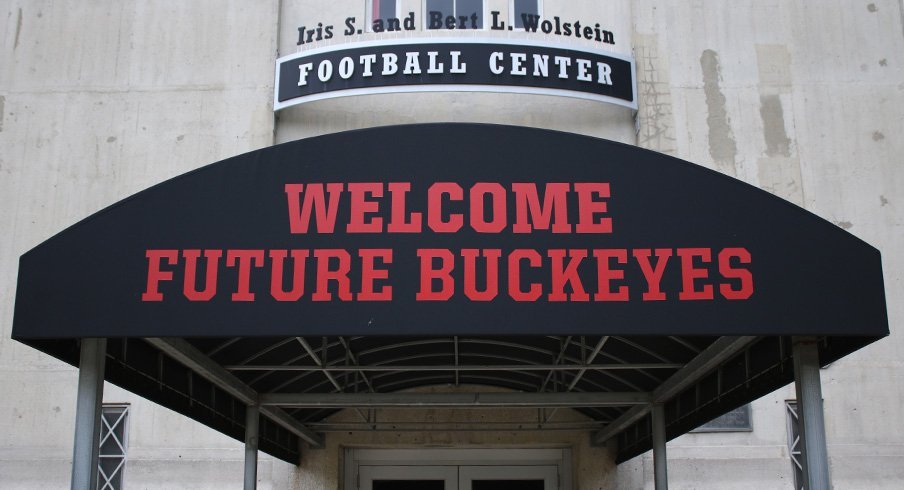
pixel 100 100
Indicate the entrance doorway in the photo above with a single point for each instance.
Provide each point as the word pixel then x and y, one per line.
pixel 457 469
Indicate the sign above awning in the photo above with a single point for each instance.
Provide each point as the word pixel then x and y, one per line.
pixel 450 229
pixel 454 64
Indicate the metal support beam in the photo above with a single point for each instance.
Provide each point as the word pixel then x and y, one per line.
pixel 660 461
pixel 555 363
pixel 580 368
pixel 455 341
pixel 252 426
pixel 815 459
pixel 589 362
pixel 323 364
pixel 475 426
pixel 720 351
pixel 580 374
pixel 452 400
pixel 204 366
pixel 355 363
pixel 288 422
pixel 87 413
pixel 207 368
pixel 320 364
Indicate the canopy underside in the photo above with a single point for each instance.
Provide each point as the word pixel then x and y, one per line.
pixel 301 381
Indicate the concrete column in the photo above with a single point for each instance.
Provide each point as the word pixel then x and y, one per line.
pixel 87 413
pixel 660 465
pixel 252 425
pixel 815 457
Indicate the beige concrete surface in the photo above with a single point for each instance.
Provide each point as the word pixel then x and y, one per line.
pixel 101 99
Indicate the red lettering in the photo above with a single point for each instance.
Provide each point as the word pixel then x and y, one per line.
pixel 745 290
pixel 189 287
pixel 514 270
pixel 314 201
pixel 278 257
pixel 155 275
pixel 478 212
pixel 245 259
pixel 562 275
pixel 325 274
pixel 588 208
pixel 369 274
pixel 492 273
pixel 398 223
pixel 429 275
pixel 435 207
pixel 361 207
pixel 689 274
pixel 554 208
pixel 606 274
pixel 653 274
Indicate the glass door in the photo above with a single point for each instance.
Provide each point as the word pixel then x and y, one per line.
pixel 385 477
pixel 457 469
pixel 508 477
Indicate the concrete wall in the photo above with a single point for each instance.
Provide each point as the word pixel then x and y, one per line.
pixel 803 99
pixel 101 99
pixel 592 468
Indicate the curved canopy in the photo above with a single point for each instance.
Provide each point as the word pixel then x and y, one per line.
pixel 389 258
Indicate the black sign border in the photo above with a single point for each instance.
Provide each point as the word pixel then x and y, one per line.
pixel 458 87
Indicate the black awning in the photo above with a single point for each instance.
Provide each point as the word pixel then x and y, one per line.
pixel 387 244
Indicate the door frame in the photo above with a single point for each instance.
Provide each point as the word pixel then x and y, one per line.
pixel 368 473
pixel 548 473
pixel 356 458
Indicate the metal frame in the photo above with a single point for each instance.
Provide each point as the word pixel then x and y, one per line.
pixel 369 15
pixel 473 426
pixel 395 364
pixel 347 371
pixel 512 14
pixel 105 481
pixel 718 352
pixel 434 458
pixel 367 475
pixel 562 381
pixel 815 457
pixel 252 434
pixel 555 372
pixel 795 452
pixel 453 400
pixel 549 474
pixel 424 18
pixel 581 368
pixel 660 460
pixel 299 382
pixel 85 449
pixel 486 361
pixel 185 353
pixel 404 363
